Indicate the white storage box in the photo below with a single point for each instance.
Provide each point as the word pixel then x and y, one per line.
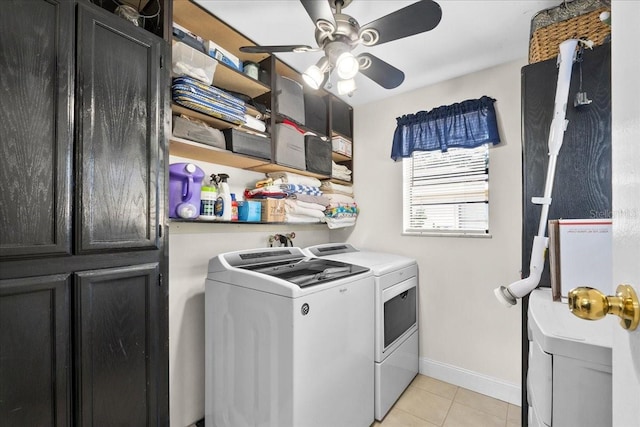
pixel 341 146
pixel 186 61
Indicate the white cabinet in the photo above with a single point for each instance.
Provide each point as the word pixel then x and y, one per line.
pixel 569 375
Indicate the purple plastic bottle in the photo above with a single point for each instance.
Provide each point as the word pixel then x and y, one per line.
pixel 185 181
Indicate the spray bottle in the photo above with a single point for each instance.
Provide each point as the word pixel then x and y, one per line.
pixel 222 207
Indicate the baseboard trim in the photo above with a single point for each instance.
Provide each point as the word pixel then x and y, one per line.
pixel 496 388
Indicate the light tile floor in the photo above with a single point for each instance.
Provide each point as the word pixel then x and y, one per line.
pixel 428 402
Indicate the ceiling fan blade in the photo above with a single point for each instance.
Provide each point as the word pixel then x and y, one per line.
pixel 413 19
pixel 319 9
pixel 273 49
pixel 384 74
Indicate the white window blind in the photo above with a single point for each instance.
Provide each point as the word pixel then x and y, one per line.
pixel 447 192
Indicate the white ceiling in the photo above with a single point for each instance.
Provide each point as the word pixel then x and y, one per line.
pixel 472 35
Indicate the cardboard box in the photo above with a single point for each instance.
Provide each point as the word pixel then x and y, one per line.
pixel 222 55
pixel 272 210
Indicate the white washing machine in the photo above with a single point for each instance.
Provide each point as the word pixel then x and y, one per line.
pixel 569 375
pixel 396 317
pixel 289 341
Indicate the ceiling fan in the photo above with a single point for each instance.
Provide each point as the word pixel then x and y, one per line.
pixel 337 34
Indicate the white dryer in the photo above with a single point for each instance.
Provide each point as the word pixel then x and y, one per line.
pixel 396 317
pixel 289 341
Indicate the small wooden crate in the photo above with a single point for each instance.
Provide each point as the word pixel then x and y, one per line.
pixel 545 41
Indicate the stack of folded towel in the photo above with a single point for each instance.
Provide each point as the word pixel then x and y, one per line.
pixel 304 202
pixel 342 210
pixel 209 100
pixel 340 172
pixel 303 208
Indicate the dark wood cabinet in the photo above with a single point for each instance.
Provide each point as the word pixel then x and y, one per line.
pixel 117 123
pixel 582 186
pixel 118 345
pixel 36 77
pixel 35 356
pixel 83 306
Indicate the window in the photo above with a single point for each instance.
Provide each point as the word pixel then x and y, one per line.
pixel 446 192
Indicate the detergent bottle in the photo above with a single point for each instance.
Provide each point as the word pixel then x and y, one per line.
pixel 208 197
pixel 223 207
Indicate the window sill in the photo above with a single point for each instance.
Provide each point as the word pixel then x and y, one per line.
pixel 441 234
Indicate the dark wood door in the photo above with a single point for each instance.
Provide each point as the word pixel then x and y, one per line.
pixel 36 82
pixel 118 121
pixel 35 374
pixel 118 346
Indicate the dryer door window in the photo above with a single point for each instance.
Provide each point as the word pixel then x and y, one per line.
pixel 399 315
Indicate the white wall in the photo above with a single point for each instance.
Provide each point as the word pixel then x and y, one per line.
pixel 190 248
pixel 466 336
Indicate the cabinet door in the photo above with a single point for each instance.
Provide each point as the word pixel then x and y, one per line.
pixel 34 351
pixel 36 81
pixel 582 186
pixel 118 84
pixel 118 339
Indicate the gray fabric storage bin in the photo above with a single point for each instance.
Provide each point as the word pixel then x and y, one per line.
pixel 193 131
pixel 289 99
pixel 341 118
pixel 289 147
pixel 315 113
pixel 247 143
pixel 317 155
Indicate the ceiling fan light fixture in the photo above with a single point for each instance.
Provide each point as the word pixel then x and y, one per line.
pixel 347 66
pixel 346 87
pixel 314 75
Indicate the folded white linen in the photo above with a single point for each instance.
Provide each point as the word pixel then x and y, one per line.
pixel 293 207
pixel 290 217
pixel 293 178
pixel 337 199
pixel 332 187
pixel 337 166
pixel 340 222
pixel 309 205
pixel 321 200
pixel 253 123
pixel 340 176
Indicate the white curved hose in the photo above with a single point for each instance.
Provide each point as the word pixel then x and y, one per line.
pixel 509 295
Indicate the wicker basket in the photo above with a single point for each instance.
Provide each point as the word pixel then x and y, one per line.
pixel 545 41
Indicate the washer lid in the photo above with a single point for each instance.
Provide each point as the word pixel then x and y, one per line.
pixel 558 331
pixel 290 264
pixel 379 262
pixel 307 271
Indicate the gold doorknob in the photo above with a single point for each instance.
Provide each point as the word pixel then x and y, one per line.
pixel 591 304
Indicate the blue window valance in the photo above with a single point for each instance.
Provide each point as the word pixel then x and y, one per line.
pixel 466 124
